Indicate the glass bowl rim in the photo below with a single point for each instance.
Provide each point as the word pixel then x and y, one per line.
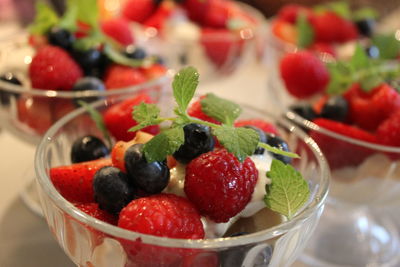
pixel 37 92
pixel 314 205
pixel 292 116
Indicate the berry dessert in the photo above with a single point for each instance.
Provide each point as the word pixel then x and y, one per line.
pixel 213 35
pixel 195 181
pixel 79 57
pixel 331 28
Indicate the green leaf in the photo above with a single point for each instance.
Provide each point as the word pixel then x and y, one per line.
pixel 365 13
pixel 69 20
pixel 305 30
pixel 220 109
pixel 163 144
pixel 388 45
pixel 340 77
pixel 288 190
pixel 88 12
pixel 145 115
pixel 45 19
pixel 98 119
pixel 117 57
pixel 370 82
pixel 360 59
pixel 184 85
pixel 278 151
pixel 341 8
pixel 240 141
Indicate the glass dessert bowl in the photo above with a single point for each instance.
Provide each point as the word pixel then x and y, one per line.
pixel 349 108
pixel 89 241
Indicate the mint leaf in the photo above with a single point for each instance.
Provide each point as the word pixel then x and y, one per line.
pixel 45 19
pixel 184 85
pixel 69 20
pixel 98 119
pixel 88 12
pixel 305 30
pixel 117 57
pixel 360 59
pixel 341 8
pixel 220 109
pixel 340 78
pixel 365 13
pixel 288 190
pixel 164 144
pixel 240 141
pixel 145 115
pixel 388 45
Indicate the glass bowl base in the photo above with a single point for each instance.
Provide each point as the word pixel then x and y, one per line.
pixel 29 194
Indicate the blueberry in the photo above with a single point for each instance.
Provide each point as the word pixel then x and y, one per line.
pixel 61 37
pixel 5 95
pixel 263 139
pixel 198 140
pixel 92 61
pixel 111 189
pixel 151 177
pixel 366 27
pixel 89 84
pixel 134 52
pixel 372 51
pixel 305 111
pixel 276 141
pixel 335 108
pixel 88 148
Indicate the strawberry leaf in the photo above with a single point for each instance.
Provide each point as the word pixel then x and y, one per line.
pixel 288 191
pixel 220 109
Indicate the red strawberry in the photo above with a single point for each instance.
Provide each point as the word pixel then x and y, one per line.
pixel 75 182
pixel 369 109
pixel 119 30
pixel 388 132
pixel 118 118
pixel 284 31
pixel 196 9
pixel 138 10
pixel 36 112
pixel 118 76
pixel 290 12
pixel 93 210
pixel 83 30
pixel 323 48
pixel 222 46
pixel 162 215
pixel 217 14
pixel 219 185
pixel 259 123
pixel 52 68
pixel 195 111
pixel 159 17
pixel 342 153
pixel 37 41
pixel 330 27
pixel 303 74
pixel 154 71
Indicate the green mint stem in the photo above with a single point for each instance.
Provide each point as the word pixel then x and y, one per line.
pixel 277 150
pixel 385 69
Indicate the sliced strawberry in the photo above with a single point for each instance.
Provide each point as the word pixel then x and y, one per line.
pixel 35 112
pixel 330 27
pixel 217 14
pixel 369 109
pixel 119 30
pixel 118 76
pixel 118 118
pixel 259 123
pixel 93 210
pixel 196 9
pixel 161 14
pixel 154 71
pixel 75 182
pixel 138 10
pixel 195 111
pixel 290 12
pixel 284 31
pixel 222 46
pixel 341 153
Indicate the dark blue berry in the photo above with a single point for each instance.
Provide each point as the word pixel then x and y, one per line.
pixel 263 138
pixel 151 177
pixel 305 111
pixel 372 52
pixel 135 52
pixel 112 190
pixel 6 95
pixel 88 84
pixel 61 37
pixel 366 26
pixel 335 108
pixel 198 140
pixel 88 148
pixel 92 61
pixel 276 141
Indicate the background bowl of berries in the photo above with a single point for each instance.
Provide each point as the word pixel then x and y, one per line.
pixel 215 36
pixel 349 105
pixel 216 187
pixel 46 72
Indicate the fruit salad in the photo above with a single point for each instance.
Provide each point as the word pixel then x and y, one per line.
pixel 213 35
pixel 78 57
pixel 196 178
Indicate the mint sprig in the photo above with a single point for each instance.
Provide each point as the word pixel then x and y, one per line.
pixel 45 18
pixel 240 141
pixel 361 69
pixel 306 34
pixel 288 190
pixel 388 45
